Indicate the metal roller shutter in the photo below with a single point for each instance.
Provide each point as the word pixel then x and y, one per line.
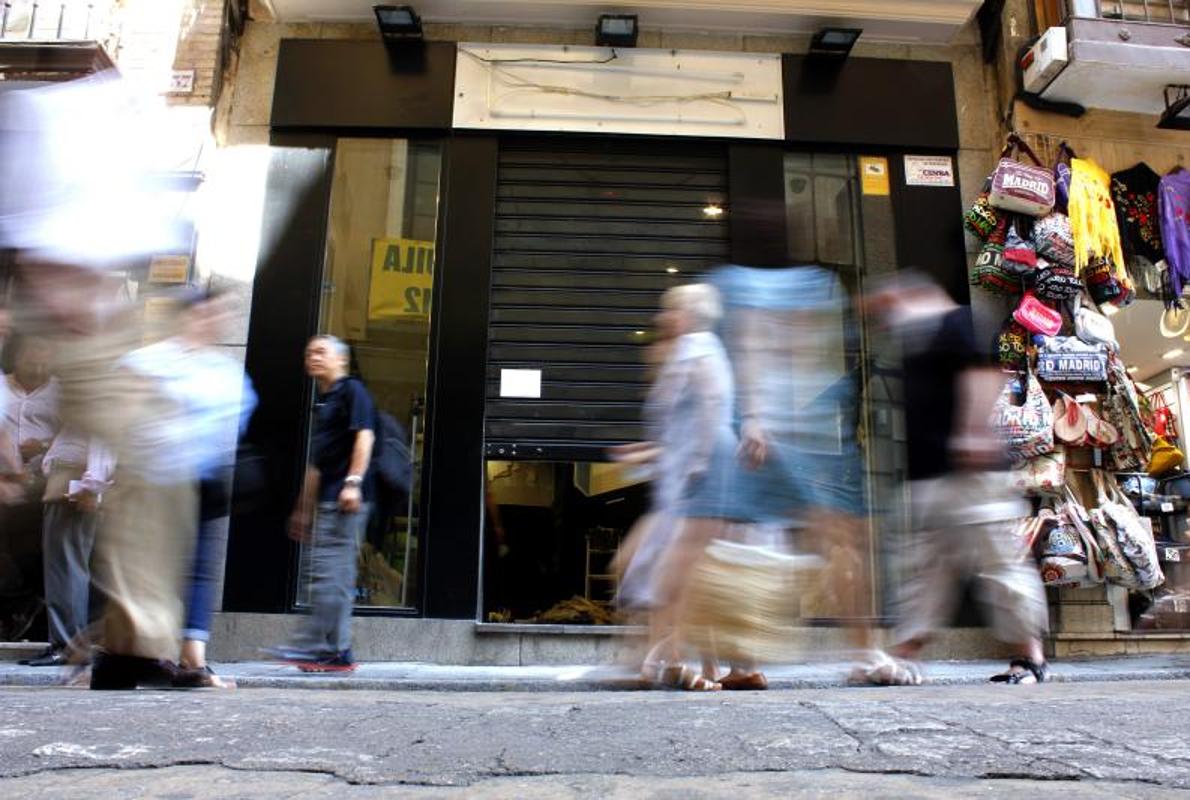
pixel 588 235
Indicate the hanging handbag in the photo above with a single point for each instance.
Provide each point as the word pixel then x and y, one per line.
pixel 1022 188
pixel 1012 346
pixel 1053 239
pixel 1044 474
pixel 1068 359
pixel 1028 429
pixel 1074 557
pixel 1165 458
pixel 1131 453
pixel 1020 257
pixel 1129 550
pixel 1054 283
pixel 1163 421
pixel 1092 327
pixel 1070 423
pixel 989 273
pixel 1037 316
pixel 1062 176
pixel 981 219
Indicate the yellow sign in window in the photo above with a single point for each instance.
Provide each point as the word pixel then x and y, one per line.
pixel 402 279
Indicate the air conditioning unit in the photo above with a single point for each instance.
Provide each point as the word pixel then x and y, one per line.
pixel 1045 60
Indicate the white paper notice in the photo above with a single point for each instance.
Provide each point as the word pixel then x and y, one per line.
pixel 520 383
pixel 929 171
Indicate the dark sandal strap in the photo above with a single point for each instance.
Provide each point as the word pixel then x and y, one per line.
pixel 1040 671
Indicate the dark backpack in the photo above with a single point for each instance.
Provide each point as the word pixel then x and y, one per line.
pixel 391 462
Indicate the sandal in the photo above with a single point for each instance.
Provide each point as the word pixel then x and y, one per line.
pixel 1020 669
pixel 680 676
pixel 744 682
pixel 881 669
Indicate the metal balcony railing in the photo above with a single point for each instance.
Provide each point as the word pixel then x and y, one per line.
pixel 1168 12
pixel 64 20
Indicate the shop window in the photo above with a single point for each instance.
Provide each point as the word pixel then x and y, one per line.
pixel 550 533
pixel 378 287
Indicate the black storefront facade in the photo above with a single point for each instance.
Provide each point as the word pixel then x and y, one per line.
pixel 480 321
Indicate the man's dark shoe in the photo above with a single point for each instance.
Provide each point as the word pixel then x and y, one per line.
pixel 343 661
pixel 117 672
pixel 50 657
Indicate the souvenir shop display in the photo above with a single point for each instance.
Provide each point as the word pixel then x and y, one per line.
pixel 1062 245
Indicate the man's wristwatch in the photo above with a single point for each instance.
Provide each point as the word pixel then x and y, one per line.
pixel 354 481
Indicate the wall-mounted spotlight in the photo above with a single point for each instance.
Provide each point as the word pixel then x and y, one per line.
pixel 1177 109
pixel 834 42
pixel 616 30
pixel 398 23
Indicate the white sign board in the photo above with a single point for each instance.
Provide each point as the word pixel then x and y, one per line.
pixel 181 81
pixel 630 90
pixel 929 171
pixel 520 383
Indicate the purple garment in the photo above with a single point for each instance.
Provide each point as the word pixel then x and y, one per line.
pixel 1175 227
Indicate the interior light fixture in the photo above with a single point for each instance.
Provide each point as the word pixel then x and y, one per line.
pixel 712 210
pixel 1169 355
pixel 398 23
pixel 672 270
pixel 1177 109
pixel 834 42
pixel 616 30
pixel 1133 370
pixel 1110 310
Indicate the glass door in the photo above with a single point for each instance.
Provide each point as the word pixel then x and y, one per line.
pixel 377 291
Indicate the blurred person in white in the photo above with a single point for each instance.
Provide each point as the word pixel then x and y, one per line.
pixel 77 472
pixel 78 205
pixel 31 422
pixel 688 414
pixel 962 503
pixel 220 400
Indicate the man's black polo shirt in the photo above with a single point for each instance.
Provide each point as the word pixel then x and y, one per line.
pixel 339 415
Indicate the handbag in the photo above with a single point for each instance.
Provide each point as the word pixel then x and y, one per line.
pixel 1166 457
pixel 1022 188
pixel 981 219
pixel 1068 359
pixel 1070 423
pixel 1057 284
pixel 989 272
pixel 1037 316
pixel 1012 346
pixel 1053 239
pixel 1020 257
pixel 1082 562
pixel 1044 474
pixel 1028 429
pixel 1163 421
pixel 1123 409
pixel 1092 327
pixel 1062 177
pixel 1128 546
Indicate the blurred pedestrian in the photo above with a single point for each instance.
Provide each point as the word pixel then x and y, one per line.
pixel 792 339
pixel 31 422
pixel 688 412
pixel 332 509
pixel 219 400
pixel 963 504
pixel 77 472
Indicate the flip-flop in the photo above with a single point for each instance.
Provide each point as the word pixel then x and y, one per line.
pixel 751 682
pixel 687 679
pixel 1021 668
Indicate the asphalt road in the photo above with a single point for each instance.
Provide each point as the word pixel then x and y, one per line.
pixel 1082 740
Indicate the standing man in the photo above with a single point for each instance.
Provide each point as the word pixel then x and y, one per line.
pixel 333 504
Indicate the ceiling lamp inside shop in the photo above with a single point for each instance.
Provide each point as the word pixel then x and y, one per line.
pixel 903 21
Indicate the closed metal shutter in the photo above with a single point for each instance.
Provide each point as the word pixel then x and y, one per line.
pixel 588 235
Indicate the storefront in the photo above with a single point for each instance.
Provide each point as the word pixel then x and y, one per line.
pixel 458 251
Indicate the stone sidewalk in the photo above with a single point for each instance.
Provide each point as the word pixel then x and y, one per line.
pixel 431 677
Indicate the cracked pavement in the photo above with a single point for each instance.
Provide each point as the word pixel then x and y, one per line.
pixel 1092 740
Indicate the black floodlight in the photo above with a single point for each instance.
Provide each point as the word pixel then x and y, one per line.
pixel 616 30
pixel 834 42
pixel 1177 109
pixel 398 23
